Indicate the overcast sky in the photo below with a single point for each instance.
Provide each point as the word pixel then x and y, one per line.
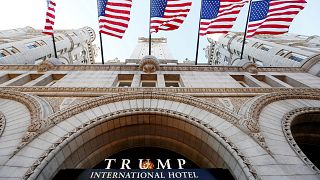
pixel 182 42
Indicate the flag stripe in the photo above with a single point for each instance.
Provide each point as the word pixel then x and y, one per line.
pixel 50 18
pixel 279 17
pixel 174 15
pixel 223 22
pixel 116 17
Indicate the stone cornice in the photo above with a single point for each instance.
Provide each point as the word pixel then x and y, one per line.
pixel 136 68
pixel 98 91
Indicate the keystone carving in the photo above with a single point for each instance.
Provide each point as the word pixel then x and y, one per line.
pixel 149 64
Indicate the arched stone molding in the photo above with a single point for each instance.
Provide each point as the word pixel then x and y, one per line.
pixel 38 112
pixel 108 99
pixel 83 116
pixel 273 127
pixel 14 122
pixel 286 124
pixel 310 62
pixel 48 163
pixel 253 110
pixel 2 123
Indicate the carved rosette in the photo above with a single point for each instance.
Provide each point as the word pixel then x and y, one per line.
pixel 149 64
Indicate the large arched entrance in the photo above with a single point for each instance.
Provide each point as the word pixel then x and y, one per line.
pixel 84 135
pixel 150 130
pixel 305 131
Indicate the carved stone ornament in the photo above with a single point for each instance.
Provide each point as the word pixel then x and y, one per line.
pixel 149 64
pixel 2 123
pixel 45 66
pixel 250 67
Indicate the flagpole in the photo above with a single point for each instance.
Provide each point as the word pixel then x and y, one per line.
pixel 150 29
pixel 197 50
pixel 100 35
pixel 246 29
pixel 101 47
pixel 54 46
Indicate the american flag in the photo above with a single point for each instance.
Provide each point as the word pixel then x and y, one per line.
pixel 50 17
pixel 273 16
pixel 114 16
pixel 168 15
pixel 218 16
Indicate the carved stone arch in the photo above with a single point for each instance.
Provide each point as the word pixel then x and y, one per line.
pixel 84 116
pixel 274 125
pixel 36 112
pixel 251 118
pixel 286 127
pixel 47 164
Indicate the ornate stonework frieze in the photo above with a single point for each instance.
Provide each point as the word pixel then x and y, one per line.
pixel 229 145
pixel 2 123
pixel 136 68
pixel 96 91
pixel 286 127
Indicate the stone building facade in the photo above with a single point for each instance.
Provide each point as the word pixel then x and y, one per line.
pixel 30 46
pixel 240 118
pixel 287 50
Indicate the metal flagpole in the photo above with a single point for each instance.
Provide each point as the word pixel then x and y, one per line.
pixel 245 33
pixel 101 46
pixel 54 46
pixel 197 50
pixel 150 28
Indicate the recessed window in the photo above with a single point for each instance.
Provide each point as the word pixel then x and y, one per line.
pixel 296 57
pixel 50 80
pixel 13 50
pixel 7 77
pixel 244 81
pixel 148 84
pixel 283 52
pixel 4 53
pixel 256 44
pixel 172 80
pixel 148 80
pixel 265 47
pixel 25 79
pixel 35 44
pixel 124 84
pixel 288 80
pixel 124 80
pixel 172 84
